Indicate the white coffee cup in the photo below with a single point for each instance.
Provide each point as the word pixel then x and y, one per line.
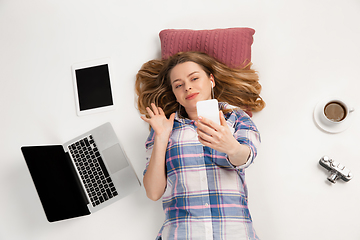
pixel 334 111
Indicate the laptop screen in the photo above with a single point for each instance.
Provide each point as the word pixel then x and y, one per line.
pixel 56 182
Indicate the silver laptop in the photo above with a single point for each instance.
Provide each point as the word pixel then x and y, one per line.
pixel 81 176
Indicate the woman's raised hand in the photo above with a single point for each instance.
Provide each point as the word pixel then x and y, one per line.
pixel 158 121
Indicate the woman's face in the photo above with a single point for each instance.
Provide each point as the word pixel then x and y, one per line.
pixel 190 84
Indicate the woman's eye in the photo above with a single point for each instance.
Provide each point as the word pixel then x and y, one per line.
pixel 195 79
pixel 177 86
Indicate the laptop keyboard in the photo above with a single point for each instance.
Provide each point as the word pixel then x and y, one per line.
pixel 93 172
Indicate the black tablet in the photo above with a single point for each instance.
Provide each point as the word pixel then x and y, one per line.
pixel 93 87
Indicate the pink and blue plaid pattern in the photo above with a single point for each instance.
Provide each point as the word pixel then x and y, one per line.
pixel 206 197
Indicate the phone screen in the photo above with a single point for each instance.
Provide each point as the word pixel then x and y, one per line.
pixel 209 109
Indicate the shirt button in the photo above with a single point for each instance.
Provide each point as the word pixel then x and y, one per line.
pixel 206 204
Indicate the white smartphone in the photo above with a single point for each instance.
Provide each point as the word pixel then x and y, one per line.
pixel 209 109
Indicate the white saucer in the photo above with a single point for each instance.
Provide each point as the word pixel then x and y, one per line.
pixel 335 127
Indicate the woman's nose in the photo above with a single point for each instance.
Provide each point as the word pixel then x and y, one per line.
pixel 187 86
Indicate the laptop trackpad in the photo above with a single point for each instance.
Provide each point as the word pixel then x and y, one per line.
pixel 115 158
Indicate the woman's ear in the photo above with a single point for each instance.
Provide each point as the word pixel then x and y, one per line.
pixel 212 80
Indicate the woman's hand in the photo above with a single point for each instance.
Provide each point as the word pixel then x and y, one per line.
pixel 220 138
pixel 158 121
pixel 155 177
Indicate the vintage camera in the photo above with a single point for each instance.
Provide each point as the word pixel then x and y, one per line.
pixel 336 169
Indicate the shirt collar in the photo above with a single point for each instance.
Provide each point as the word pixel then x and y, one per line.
pixel 181 119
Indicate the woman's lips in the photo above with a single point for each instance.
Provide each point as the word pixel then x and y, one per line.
pixel 191 96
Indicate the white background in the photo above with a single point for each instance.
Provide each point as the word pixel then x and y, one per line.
pixel 303 50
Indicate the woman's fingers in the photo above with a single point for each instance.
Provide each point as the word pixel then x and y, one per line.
pixel 145 119
pixel 209 123
pixel 204 136
pixel 155 109
pixel 222 119
pixel 207 126
pixel 151 113
pixel 161 112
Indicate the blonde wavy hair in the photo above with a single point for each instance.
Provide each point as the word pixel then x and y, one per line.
pixel 237 87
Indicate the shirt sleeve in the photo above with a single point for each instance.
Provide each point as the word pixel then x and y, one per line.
pixel 149 144
pixel 245 132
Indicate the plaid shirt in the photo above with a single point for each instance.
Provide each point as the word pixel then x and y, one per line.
pixel 206 196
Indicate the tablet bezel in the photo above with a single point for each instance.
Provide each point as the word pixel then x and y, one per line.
pixel 88 64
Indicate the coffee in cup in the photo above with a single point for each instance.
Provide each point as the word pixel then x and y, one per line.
pixel 335 111
pixel 333 114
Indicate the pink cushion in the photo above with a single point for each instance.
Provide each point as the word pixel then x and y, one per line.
pixel 231 46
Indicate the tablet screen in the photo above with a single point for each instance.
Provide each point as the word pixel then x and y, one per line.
pixel 93 88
